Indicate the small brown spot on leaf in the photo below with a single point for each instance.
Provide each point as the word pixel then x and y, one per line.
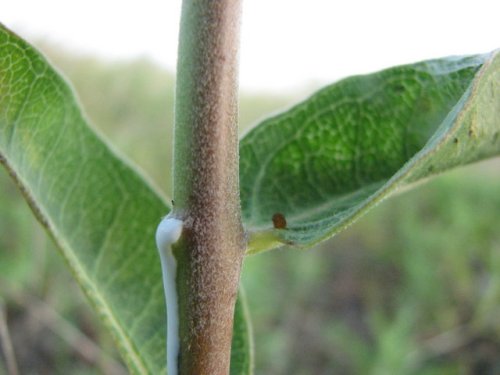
pixel 455 140
pixel 279 221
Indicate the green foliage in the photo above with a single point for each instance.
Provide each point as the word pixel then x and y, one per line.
pixel 242 346
pixel 82 209
pixel 326 161
pixel 413 288
pixel 102 214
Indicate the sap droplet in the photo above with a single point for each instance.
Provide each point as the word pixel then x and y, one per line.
pixel 168 232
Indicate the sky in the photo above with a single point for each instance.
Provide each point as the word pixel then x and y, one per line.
pixel 285 44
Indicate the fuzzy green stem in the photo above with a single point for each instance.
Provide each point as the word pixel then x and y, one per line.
pixel 206 190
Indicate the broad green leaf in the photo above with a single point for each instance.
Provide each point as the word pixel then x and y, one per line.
pixel 325 162
pixel 101 213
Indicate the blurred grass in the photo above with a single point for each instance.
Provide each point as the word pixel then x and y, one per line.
pixel 413 288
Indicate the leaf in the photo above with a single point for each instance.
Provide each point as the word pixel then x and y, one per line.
pixel 242 345
pixel 328 160
pixel 99 210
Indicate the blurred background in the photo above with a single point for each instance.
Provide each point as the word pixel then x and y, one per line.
pixel 412 288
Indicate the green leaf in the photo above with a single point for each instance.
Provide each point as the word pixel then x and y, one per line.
pixel 99 210
pixel 242 345
pixel 325 162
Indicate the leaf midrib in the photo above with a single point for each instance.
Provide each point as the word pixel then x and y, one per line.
pixel 96 298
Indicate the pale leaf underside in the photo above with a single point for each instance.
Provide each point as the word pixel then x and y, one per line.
pixel 99 210
pixel 326 161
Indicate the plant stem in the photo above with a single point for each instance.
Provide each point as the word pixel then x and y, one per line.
pixel 206 189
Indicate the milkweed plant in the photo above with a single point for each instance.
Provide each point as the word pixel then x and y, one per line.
pixel 295 179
